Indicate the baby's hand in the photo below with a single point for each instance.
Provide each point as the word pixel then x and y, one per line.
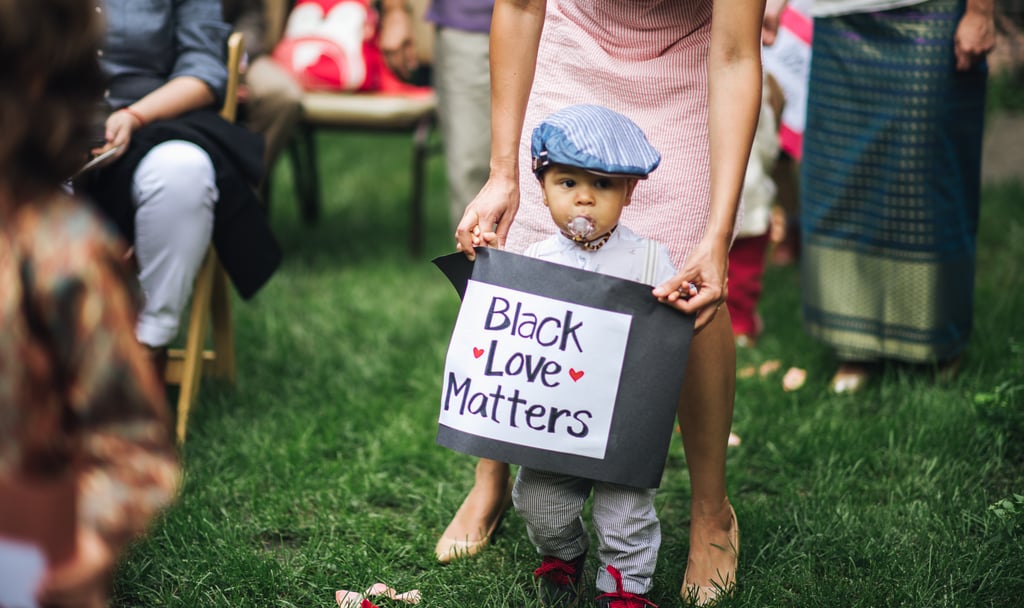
pixel 667 294
pixel 474 241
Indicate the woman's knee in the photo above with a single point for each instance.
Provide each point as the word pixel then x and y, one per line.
pixel 178 174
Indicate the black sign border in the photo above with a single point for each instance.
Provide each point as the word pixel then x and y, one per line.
pixel 649 385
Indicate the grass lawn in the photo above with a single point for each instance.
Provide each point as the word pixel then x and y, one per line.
pixel 319 471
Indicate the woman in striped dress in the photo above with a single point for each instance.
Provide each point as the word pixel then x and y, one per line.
pixel 689 74
pixel 891 179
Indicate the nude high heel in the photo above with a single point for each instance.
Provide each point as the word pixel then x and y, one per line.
pixel 450 548
pixel 725 584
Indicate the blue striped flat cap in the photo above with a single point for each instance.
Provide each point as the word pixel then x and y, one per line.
pixel 593 138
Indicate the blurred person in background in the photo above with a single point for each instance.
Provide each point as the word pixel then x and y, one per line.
pixel 180 175
pixel 272 98
pixel 890 180
pixel 86 452
pixel 461 77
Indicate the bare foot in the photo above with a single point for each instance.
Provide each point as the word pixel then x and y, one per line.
pixel 714 555
pixel 851 377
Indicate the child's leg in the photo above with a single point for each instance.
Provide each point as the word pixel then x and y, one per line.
pixel 746 266
pixel 551 505
pixel 628 535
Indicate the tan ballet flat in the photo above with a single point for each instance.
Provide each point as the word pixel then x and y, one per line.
pixel 449 548
pixel 725 586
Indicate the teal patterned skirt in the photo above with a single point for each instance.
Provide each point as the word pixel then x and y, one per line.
pixel 890 185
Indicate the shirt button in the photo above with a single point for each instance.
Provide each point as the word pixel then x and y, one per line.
pixel 106 93
pixel 99 10
pixel 99 53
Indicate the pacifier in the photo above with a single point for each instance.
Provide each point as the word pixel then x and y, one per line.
pixel 580 228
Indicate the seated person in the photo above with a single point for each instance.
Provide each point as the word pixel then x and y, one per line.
pixel 88 456
pixel 273 98
pixel 180 174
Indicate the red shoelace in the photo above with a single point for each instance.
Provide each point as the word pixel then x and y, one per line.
pixel 559 572
pixel 620 598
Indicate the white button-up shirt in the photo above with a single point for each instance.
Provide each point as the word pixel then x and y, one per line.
pixel 624 256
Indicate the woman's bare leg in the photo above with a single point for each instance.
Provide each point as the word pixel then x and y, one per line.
pixel 474 522
pixel 705 418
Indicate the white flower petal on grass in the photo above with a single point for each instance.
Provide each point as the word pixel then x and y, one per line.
pixel 769 367
pixel 794 379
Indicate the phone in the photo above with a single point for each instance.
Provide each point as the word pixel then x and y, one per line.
pixel 98 160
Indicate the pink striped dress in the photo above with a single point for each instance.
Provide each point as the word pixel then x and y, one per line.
pixel 648 60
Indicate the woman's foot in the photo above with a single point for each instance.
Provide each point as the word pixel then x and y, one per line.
pixel 949 369
pixel 714 556
pixel 478 517
pixel 851 378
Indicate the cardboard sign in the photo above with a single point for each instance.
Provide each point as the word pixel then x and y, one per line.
pixel 561 369
pixel 788 60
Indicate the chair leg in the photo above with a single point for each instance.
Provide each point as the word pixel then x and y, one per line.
pixel 302 153
pixel 193 356
pixel 419 156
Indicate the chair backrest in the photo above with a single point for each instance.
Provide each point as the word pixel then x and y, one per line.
pixel 229 111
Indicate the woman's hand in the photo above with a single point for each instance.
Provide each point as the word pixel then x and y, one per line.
pixel 396 42
pixel 488 217
pixel 975 37
pixel 706 269
pixel 770 23
pixel 84 580
pixel 119 128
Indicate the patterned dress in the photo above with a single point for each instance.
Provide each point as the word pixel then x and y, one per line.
pixel 646 59
pixel 75 386
pixel 890 185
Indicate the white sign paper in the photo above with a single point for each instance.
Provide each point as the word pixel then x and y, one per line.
pixel 533 371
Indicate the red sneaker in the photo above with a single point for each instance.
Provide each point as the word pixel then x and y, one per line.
pixel 558 581
pixel 620 598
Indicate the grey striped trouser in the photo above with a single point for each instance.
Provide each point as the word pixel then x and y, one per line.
pixel 628 532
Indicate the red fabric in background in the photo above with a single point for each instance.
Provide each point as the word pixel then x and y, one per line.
pixel 746 267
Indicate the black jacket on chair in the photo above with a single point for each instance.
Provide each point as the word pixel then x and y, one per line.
pixel 244 241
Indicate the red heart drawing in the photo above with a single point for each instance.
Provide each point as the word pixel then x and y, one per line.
pixel 477 352
pixel 575 375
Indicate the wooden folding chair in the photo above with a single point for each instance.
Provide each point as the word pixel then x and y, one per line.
pixel 211 297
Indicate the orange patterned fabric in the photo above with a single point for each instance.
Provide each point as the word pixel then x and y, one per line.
pixel 75 385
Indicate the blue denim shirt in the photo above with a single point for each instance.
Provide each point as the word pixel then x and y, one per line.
pixel 150 42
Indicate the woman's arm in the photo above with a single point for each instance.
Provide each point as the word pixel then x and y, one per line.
pixel 197 79
pixel 177 96
pixel 516 27
pixel 734 97
pixel 174 98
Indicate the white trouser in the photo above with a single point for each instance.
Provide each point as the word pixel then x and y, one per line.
pixel 174 190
